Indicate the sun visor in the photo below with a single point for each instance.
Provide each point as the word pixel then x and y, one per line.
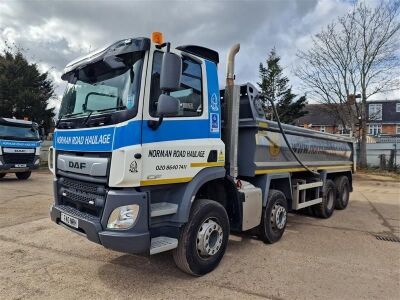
pixel 118 48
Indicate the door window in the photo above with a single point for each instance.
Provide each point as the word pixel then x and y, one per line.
pixel 190 92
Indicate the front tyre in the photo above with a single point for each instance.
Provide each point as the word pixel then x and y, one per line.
pixel 23 175
pixel 274 218
pixel 203 239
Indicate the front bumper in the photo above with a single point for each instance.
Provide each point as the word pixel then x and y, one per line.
pixel 134 240
pixel 11 168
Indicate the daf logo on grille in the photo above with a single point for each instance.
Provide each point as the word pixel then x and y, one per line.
pixel 77 165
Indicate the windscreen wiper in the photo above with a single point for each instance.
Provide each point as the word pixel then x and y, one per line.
pixel 120 107
pixel 66 116
pixel 87 118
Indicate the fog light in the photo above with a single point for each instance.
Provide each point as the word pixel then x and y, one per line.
pixel 123 217
pixel 37 161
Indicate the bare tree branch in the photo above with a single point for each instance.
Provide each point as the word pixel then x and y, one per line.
pixel 357 53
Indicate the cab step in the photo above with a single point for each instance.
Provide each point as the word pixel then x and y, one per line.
pixel 162 243
pixel 163 209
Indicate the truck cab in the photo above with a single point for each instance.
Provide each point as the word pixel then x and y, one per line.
pixel 19 147
pixel 141 163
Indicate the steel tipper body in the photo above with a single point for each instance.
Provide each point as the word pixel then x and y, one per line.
pixel 19 147
pixel 142 164
pixel 262 149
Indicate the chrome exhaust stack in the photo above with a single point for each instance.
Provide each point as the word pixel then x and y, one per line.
pixel 231 117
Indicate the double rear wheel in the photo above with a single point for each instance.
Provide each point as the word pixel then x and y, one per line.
pixel 342 192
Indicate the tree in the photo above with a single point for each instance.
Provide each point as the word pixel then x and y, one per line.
pixel 24 90
pixel 274 86
pixel 356 54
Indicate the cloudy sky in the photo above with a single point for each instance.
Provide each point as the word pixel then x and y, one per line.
pixel 55 32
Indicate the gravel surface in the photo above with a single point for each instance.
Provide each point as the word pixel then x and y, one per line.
pixel 337 258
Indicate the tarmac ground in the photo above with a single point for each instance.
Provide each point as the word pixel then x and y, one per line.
pixel 336 258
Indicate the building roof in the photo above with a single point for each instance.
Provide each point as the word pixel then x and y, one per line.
pixel 317 115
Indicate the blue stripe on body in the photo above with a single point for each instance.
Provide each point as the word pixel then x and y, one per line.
pixel 136 132
pixel 173 130
pixel 19 144
pixel 91 140
pixel 214 105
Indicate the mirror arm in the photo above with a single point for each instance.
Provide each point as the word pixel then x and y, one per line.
pixel 155 124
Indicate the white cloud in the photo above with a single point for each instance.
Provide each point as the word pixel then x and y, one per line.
pixel 56 32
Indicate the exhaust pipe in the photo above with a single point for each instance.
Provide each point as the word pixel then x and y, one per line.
pixel 230 65
pixel 231 117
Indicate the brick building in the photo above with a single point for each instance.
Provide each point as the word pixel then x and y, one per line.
pixel 384 119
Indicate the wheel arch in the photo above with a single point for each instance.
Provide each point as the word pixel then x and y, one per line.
pixel 187 193
pixel 280 181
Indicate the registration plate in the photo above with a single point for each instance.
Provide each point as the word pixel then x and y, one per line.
pixel 71 221
pixel 20 166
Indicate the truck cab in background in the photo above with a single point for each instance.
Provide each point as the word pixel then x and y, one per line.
pixel 148 157
pixel 19 147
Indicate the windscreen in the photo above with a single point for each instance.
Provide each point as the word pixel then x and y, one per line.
pixel 18 132
pixel 109 85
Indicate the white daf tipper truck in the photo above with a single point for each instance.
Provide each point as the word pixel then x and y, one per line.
pixel 150 156
pixel 19 147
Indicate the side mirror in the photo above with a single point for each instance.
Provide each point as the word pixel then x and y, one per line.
pixel 171 69
pixel 167 105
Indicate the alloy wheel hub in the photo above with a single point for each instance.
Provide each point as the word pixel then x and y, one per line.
pixel 209 238
pixel 278 216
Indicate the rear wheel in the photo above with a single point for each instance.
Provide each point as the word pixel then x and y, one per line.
pixel 203 239
pixel 342 192
pixel 327 206
pixel 2 175
pixel 274 218
pixel 23 175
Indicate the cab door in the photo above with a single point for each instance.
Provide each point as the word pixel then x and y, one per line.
pixel 180 147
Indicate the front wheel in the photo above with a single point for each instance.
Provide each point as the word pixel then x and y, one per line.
pixel 274 218
pixel 203 239
pixel 23 175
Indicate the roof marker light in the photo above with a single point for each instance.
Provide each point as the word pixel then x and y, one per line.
pixel 157 37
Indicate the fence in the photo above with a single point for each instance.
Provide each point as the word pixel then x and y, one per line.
pixel 382 153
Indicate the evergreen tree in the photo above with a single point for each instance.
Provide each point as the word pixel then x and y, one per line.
pixel 274 86
pixel 24 90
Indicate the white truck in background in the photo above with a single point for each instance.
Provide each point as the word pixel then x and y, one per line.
pixel 149 156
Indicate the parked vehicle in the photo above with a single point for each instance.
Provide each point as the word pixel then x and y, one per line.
pixel 19 147
pixel 143 163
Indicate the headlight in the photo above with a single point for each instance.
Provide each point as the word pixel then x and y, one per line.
pixel 37 151
pixel 123 217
